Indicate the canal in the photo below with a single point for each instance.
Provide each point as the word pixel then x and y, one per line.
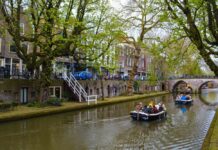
pixel 110 127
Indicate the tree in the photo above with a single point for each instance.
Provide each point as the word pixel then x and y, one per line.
pixel 142 16
pixel 179 56
pixel 106 64
pixel 58 28
pixel 199 21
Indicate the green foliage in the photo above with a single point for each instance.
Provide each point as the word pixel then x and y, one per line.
pixel 5 106
pixel 141 18
pixel 54 101
pixel 36 104
pixel 196 19
pixel 136 85
pixel 63 28
pixel 8 106
pixel 152 79
pixel 176 57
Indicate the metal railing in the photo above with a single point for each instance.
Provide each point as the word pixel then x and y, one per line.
pixel 192 77
pixel 92 98
pixel 78 89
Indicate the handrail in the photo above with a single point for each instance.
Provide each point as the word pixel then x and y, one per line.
pixel 92 98
pixel 78 86
pixel 78 89
pixel 192 77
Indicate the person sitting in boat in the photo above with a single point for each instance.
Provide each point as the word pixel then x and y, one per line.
pixel 161 108
pixel 138 107
pixel 188 97
pixel 144 109
pixel 149 109
pixel 183 97
pixel 164 107
pixel 179 96
pixel 157 106
pixel 151 103
pixel 154 109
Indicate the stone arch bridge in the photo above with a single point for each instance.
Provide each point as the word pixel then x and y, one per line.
pixel 194 83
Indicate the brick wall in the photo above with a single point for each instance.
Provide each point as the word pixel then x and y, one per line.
pixel 10 89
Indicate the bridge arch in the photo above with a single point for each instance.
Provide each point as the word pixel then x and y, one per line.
pixel 195 84
pixel 183 87
pixel 214 82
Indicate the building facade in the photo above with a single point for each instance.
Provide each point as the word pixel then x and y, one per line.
pixel 14 67
pixel 126 63
pixel 12 64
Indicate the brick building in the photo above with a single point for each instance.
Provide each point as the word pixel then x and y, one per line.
pixel 8 58
pixel 14 67
pixel 126 63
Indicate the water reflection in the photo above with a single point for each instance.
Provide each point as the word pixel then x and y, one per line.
pixel 209 96
pixel 184 108
pixel 110 127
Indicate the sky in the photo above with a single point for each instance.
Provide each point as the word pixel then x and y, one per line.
pixel 116 3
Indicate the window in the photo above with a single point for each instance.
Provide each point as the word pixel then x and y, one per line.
pixel 7 66
pixel 58 92
pixel 129 61
pixel 122 64
pixel 51 91
pixel 7 60
pixel 55 91
pixel 15 66
pixel 25 47
pixel 1 63
pixel 13 48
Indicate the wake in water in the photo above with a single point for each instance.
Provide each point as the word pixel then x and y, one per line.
pixel 106 120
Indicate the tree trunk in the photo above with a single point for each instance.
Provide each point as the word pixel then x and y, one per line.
pixel 102 88
pixel 196 38
pixel 45 80
pixel 44 94
pixel 133 72
pixel 213 67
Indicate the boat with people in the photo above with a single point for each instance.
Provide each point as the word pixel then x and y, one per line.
pixel 185 102
pixel 148 113
pixel 183 99
pixel 146 116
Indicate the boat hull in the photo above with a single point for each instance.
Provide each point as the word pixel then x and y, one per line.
pixel 141 116
pixel 184 102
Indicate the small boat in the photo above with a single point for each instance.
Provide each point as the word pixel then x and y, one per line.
pixel 184 102
pixel 140 115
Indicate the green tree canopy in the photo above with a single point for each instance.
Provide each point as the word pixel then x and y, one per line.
pixel 141 17
pixel 83 29
pixel 197 20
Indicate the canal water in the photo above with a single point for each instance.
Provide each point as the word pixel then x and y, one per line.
pixel 111 128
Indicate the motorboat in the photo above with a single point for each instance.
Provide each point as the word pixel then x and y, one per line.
pixel 142 116
pixel 183 102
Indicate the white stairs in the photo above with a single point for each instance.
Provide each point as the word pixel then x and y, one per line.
pixel 78 89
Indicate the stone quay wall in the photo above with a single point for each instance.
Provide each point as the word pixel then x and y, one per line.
pixel 12 89
pixel 115 87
